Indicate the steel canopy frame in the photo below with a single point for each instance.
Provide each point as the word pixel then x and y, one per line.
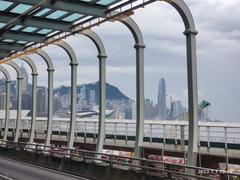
pixel 74 6
pixel 10 47
pixel 33 23
pixel 24 37
pixel 102 11
pixel 93 10
pixel 36 22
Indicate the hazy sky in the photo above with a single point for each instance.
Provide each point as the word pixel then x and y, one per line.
pixel 218 23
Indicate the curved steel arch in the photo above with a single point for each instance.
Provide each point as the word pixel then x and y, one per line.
pixel 135 30
pixel 69 50
pixel 96 40
pixel 5 73
pixel 184 12
pixel 16 67
pixel 73 63
pixel 190 33
pixel 46 58
pixel 7 105
pixel 102 85
pixel 33 67
pixel 50 69
pixel 19 96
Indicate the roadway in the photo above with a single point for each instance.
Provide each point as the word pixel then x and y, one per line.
pixel 14 170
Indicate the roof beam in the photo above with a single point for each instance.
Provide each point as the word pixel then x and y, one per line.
pixel 73 6
pixel 10 47
pixel 23 37
pixel 3 54
pixel 36 22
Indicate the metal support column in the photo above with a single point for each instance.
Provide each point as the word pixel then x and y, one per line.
pixel 7 108
pixel 102 86
pixel 139 46
pixel 139 99
pixel 34 107
pixel 33 67
pixel 102 100
pixel 50 106
pixel 50 70
pixel 74 66
pixel 74 63
pixel 192 96
pixel 190 33
pixel 19 108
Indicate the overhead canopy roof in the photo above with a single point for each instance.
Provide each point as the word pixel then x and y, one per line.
pixel 24 23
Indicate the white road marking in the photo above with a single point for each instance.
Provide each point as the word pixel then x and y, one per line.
pixel 5 177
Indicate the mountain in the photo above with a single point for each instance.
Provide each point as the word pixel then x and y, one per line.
pixel 112 92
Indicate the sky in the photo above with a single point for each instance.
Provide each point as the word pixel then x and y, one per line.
pixel 218 24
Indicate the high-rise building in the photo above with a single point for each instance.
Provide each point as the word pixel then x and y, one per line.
pixel 162 107
pixel 25 78
pixel 13 89
pixel 148 109
pixel 92 95
pixel 176 110
pixel 42 100
pixel 56 103
pixel 83 92
pixel 134 115
pixel 2 85
pixel 65 100
pixel 26 101
pixel 2 100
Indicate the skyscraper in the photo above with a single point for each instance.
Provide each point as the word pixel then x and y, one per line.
pixel 162 109
pixel 42 101
pixel 176 110
pixel 2 85
pixel 2 100
pixel 92 95
pixel 134 115
pixel 25 78
pixel 83 92
pixel 148 109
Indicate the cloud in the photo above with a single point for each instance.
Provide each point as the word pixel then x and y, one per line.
pixel 165 54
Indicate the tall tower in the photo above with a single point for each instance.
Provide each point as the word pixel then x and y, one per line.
pixel 25 78
pixel 162 109
pixel 83 92
pixel 42 99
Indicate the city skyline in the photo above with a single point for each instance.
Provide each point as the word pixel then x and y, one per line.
pixel 122 107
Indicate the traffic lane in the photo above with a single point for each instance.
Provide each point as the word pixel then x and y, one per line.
pixel 20 171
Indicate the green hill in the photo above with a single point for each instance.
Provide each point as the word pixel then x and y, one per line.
pixel 112 92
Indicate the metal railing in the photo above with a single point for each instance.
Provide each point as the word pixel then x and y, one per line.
pixel 225 133
pixel 152 167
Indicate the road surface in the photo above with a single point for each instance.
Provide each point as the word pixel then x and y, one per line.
pixel 13 170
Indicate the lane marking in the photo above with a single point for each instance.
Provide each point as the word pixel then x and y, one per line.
pixel 5 177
